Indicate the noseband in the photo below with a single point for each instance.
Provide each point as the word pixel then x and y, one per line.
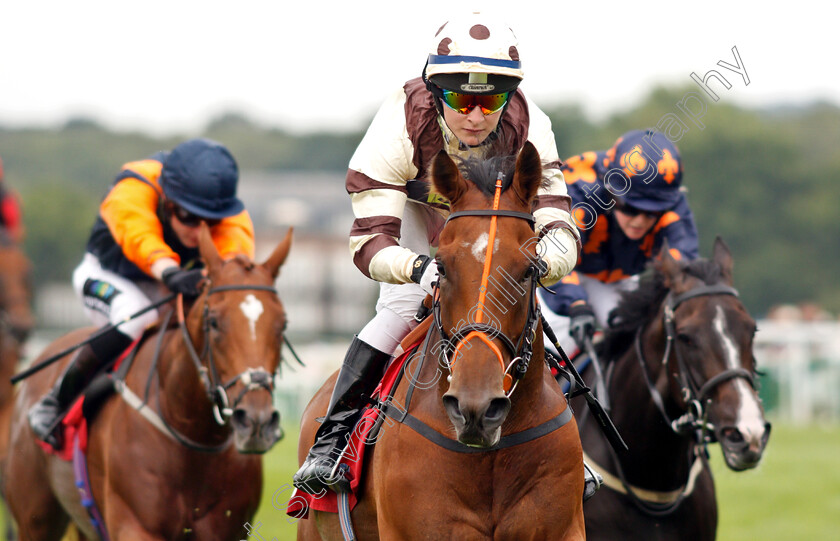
pixel 694 395
pixel 217 391
pixel 522 351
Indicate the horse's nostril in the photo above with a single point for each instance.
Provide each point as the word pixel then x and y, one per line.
pixel 453 409
pixel 240 418
pixel 732 435
pixel 497 410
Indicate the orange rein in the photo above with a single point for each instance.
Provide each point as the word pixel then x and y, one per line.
pixel 482 292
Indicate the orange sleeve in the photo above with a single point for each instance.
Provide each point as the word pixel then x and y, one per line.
pixel 129 211
pixel 235 235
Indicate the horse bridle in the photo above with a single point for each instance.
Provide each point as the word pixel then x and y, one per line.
pixel 521 351
pixel 694 395
pixel 217 391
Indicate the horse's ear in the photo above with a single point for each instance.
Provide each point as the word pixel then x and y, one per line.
pixel 278 256
pixel 207 249
pixel 723 257
pixel 445 177
pixel 528 176
pixel 666 264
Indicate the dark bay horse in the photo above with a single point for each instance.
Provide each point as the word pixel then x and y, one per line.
pixel 681 374
pixel 187 465
pixel 500 455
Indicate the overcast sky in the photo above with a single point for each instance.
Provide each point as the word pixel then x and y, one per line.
pixel 169 66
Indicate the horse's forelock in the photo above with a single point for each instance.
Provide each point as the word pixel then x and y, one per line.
pixel 705 269
pixel 244 261
pixel 484 172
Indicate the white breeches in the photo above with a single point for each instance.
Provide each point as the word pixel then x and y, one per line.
pixel 110 298
pixel 602 298
pixel 398 303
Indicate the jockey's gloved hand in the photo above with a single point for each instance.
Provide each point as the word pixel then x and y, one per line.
pixel 424 272
pixel 558 250
pixel 541 267
pixel 582 324
pixel 182 281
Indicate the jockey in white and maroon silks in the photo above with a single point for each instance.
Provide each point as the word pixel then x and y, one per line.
pixel 628 201
pixel 466 103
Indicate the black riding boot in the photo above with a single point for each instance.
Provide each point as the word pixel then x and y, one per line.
pixel 360 373
pixel 46 414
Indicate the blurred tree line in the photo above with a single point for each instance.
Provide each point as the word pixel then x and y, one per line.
pixel 764 180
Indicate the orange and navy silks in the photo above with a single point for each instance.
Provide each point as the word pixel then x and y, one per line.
pixel 607 254
pixel 131 233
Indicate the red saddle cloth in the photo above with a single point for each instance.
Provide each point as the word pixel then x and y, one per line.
pixel 301 503
pixel 74 424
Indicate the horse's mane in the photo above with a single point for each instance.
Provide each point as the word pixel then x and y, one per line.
pixel 639 306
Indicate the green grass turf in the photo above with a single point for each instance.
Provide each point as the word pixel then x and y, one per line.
pixel 794 494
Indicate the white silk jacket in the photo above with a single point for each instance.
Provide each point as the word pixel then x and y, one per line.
pixel 405 134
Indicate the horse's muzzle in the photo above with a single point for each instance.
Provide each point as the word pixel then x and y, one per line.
pixel 256 431
pixel 479 424
pixel 739 452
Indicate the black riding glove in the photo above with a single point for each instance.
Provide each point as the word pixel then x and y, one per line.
pixel 183 281
pixel 582 324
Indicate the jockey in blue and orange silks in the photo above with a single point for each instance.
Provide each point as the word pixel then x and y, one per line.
pixel 628 201
pixel 144 244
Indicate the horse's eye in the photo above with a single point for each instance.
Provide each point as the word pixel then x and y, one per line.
pixel 686 340
pixel 213 322
pixel 441 268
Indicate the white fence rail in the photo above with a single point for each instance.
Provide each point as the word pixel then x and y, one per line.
pixel 802 365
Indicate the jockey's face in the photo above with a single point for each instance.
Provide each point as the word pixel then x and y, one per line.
pixel 186 225
pixel 472 128
pixel 635 227
pixel 187 233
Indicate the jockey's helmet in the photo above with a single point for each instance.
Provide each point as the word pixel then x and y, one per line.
pixel 653 166
pixel 475 54
pixel 201 176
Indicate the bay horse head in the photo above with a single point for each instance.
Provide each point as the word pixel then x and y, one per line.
pixel 238 324
pixel 486 316
pixel 15 290
pixel 712 371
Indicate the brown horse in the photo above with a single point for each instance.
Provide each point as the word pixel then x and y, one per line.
pixel 186 465
pixel 681 374
pixel 16 316
pixel 16 322
pixel 476 456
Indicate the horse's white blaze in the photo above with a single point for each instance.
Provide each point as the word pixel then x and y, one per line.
pixel 253 309
pixel 479 247
pixel 749 420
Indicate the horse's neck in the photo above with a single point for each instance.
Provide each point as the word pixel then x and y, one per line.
pixel 657 457
pixel 183 398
